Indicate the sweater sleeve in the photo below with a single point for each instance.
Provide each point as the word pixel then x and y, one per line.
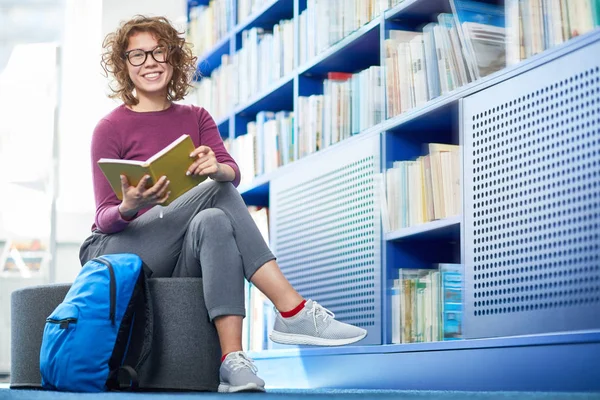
pixel 105 145
pixel 210 136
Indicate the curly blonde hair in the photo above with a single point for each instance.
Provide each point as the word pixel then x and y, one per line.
pixel 180 57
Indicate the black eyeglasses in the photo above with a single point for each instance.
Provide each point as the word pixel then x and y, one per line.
pixel 138 57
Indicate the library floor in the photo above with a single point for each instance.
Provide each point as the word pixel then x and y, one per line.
pixel 317 394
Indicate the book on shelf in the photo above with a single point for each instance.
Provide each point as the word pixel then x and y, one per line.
pixel 423 65
pixel 451 276
pixel 427 304
pixel 533 26
pixel 172 162
pixel 325 22
pixel 265 56
pixel 246 8
pixel 425 189
pixel 480 28
pixel 208 24
pixel 260 311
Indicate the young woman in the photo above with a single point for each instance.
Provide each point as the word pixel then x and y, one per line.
pixel 207 232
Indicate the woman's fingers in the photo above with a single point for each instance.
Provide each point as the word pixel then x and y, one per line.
pixel 124 183
pixel 163 198
pixel 141 186
pixel 161 193
pixel 153 192
pixel 200 161
pixel 200 150
pixel 206 168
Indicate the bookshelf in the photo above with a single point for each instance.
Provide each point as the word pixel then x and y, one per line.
pixel 328 199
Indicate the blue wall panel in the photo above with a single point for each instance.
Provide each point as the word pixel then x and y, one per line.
pixel 532 200
pixel 326 232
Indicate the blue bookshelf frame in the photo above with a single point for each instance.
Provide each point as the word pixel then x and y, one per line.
pixel 564 361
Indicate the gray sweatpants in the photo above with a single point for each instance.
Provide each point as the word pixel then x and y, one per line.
pixel 208 232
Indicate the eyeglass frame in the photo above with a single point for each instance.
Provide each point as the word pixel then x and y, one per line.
pixel 146 52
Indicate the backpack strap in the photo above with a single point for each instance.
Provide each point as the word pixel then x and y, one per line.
pixel 149 318
pixel 124 378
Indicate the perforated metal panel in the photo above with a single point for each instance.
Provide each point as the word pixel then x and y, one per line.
pixel 325 232
pixel 532 203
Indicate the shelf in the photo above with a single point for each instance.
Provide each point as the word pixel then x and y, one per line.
pixel 448 228
pixel 223 126
pixel 440 110
pixel 417 10
pixel 279 96
pixel 211 60
pixel 352 54
pixel 257 192
pixel 464 344
pixel 550 363
pixel 270 14
pixel 435 115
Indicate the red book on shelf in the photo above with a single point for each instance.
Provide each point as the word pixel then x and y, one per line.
pixel 339 76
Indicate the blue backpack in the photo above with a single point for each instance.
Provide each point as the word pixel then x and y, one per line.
pixel 100 335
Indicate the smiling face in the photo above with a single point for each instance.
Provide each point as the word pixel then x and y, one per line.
pixel 152 78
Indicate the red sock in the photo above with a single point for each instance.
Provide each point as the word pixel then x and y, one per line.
pixel 296 310
pixel 223 358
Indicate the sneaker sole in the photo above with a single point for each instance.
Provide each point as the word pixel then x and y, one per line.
pixel 250 387
pixel 289 338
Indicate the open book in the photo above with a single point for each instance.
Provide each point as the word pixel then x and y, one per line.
pixel 172 162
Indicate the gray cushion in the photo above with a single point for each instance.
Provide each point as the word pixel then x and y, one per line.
pixel 185 349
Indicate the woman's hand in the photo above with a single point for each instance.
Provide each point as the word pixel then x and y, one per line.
pixel 138 197
pixel 206 162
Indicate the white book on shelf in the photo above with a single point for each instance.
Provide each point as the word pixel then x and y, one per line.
pixel 405 77
pixel 431 65
pixel 271 154
pixel 418 69
pixel 487 46
pixel 327 112
pixel 555 27
pixel 347 107
pixel 513 31
pixel 447 186
pixel 278 47
pixel 429 214
pixel 302 38
pixel 446 82
pixel 391 75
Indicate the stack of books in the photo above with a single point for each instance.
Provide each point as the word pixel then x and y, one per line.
pixel 325 22
pixel 208 24
pixel 268 144
pixel 536 25
pixel 351 103
pixel 214 92
pixel 427 304
pixel 265 57
pixel 423 190
pixel 246 8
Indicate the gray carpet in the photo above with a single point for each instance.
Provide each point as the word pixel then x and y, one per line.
pixel 319 394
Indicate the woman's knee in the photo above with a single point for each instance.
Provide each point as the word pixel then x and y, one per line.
pixel 211 219
pixel 224 188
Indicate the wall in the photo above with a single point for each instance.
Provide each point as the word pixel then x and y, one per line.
pixel 83 105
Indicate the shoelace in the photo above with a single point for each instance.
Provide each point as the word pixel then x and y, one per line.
pixel 319 310
pixel 240 360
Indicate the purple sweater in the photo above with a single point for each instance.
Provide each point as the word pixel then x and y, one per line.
pixel 130 135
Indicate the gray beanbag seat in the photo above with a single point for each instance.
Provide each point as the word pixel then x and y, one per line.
pixel 185 349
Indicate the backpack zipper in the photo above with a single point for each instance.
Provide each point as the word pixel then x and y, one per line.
pixel 113 288
pixel 64 323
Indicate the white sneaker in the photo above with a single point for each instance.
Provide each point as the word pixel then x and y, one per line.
pixel 238 374
pixel 314 325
